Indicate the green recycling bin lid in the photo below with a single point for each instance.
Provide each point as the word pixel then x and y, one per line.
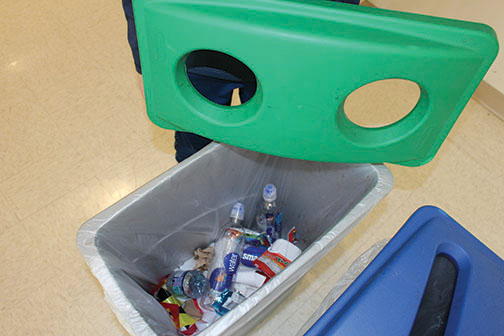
pixel 307 58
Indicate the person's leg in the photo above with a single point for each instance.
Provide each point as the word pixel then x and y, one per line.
pixel 215 85
pixel 186 144
pixel 214 89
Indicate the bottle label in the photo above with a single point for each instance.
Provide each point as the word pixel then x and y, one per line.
pixel 270 234
pixel 269 219
pixel 232 233
pixel 254 238
pixel 292 235
pixel 177 284
pixel 227 301
pixel 271 263
pixel 261 222
pixel 231 262
pixel 248 232
pixel 278 224
pixel 220 280
pixel 250 254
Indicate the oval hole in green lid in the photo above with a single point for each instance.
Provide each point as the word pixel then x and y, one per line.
pixel 215 74
pixel 377 104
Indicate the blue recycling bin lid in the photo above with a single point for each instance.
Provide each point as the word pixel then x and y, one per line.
pixel 432 278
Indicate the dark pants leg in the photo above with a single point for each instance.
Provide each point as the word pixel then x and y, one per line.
pixel 186 144
pixel 216 87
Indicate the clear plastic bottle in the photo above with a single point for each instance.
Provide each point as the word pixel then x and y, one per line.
pixel 187 284
pixel 269 216
pixel 228 249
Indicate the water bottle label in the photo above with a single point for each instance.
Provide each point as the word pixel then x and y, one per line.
pixel 250 254
pixel 231 262
pixel 177 285
pixel 227 301
pixel 248 232
pixel 220 280
pixel 270 233
pixel 254 238
pixel 261 222
pixel 278 225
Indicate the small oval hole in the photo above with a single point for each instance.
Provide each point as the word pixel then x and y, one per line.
pixel 382 102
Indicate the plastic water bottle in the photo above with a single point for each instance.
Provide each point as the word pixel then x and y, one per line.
pixel 227 253
pixel 187 284
pixel 269 217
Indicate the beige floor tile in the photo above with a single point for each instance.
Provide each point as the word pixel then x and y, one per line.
pixel 287 309
pixel 299 312
pixel 54 229
pixel 111 139
pixel 40 67
pixel 87 294
pixel 83 98
pixel 55 226
pixel 43 49
pixel 467 188
pixel 13 89
pixel 479 135
pixel 3 29
pixel 64 72
pixel 139 122
pixel 22 267
pixel 7 216
pixel 127 81
pixel 396 219
pixel 46 310
pixel 96 22
pixel 487 232
pixel 137 169
pixel 27 135
pixel 45 181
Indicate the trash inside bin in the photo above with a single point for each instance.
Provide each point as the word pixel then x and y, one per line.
pixel 132 245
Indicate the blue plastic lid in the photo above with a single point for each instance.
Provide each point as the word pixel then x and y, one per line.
pixel 386 297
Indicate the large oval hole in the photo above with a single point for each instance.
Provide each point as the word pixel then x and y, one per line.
pixel 382 103
pixel 216 75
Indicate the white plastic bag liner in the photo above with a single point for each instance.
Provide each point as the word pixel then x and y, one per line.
pixel 357 267
pixel 133 244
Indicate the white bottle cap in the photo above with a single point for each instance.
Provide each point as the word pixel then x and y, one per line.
pixel 270 193
pixel 238 211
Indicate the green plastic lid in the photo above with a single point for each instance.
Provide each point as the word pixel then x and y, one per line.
pixel 308 57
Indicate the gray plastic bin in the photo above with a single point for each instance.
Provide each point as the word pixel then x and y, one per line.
pixel 134 243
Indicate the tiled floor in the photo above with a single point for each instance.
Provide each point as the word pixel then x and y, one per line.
pixel 74 138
